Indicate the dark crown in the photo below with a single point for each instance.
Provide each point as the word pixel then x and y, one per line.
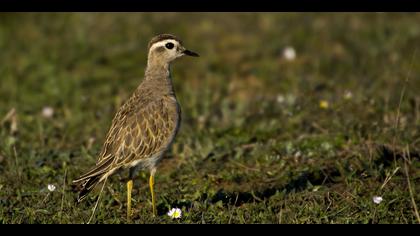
pixel 162 37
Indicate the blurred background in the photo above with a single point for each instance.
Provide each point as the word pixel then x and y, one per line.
pixel 286 117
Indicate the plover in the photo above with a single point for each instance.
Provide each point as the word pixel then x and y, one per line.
pixel 146 124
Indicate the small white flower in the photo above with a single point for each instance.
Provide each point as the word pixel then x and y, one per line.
pixel 377 199
pixel 288 99
pixel 289 53
pixel 175 213
pixel 280 98
pixel 348 95
pixel 47 112
pixel 51 187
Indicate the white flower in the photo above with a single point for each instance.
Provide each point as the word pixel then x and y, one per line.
pixel 47 112
pixel 51 187
pixel 289 53
pixel 288 99
pixel 175 213
pixel 280 98
pixel 377 199
pixel 348 95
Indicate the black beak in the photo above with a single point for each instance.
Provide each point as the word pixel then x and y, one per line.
pixel 190 53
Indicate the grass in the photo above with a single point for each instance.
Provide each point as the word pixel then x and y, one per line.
pixel 255 146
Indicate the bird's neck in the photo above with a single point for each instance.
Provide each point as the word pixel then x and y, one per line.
pixel 158 74
pixel 156 66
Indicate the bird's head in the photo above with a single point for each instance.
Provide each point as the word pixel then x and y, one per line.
pixel 166 47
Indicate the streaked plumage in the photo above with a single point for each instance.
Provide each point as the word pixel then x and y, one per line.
pixel 146 125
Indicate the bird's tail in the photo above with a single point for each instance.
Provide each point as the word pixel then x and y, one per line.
pixel 85 186
pixel 87 182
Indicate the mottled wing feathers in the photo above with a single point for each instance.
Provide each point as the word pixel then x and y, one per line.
pixel 139 133
pixel 99 169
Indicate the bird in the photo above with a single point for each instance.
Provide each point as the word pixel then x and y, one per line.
pixel 145 126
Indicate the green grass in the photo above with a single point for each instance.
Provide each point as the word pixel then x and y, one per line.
pixel 254 146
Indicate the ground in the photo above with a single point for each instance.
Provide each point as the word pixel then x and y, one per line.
pixel 286 117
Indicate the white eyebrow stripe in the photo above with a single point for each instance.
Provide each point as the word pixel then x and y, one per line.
pixel 162 43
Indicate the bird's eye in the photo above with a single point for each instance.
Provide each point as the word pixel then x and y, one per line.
pixel 169 45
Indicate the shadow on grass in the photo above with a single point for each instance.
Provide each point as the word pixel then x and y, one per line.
pixel 324 176
pixel 306 179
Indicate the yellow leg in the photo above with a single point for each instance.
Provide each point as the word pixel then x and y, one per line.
pixel 151 184
pixel 129 188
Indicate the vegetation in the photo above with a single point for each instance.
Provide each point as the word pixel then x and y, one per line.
pixel 266 136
